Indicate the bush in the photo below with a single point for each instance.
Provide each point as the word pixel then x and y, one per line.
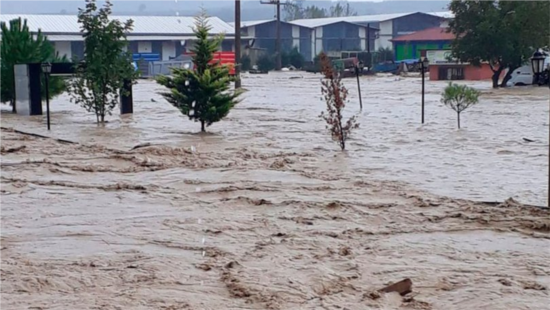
pixel 382 55
pixel 266 63
pixel 295 58
pixel 246 63
pixel 285 59
pixel 459 98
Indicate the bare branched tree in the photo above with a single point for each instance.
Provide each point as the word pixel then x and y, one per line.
pixel 335 95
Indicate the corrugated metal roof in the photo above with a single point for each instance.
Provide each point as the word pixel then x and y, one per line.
pixel 161 25
pixel 250 23
pixel 431 34
pixel 319 22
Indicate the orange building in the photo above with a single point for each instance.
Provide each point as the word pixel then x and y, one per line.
pixel 442 67
pixel 435 43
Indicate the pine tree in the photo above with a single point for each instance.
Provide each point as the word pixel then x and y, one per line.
pixel 108 65
pixel 203 92
pixel 20 47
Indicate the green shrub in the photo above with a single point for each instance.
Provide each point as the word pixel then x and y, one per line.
pixel 266 63
pixel 246 63
pixel 295 58
pixel 459 98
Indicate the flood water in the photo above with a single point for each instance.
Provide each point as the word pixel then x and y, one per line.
pixel 486 160
pixel 265 212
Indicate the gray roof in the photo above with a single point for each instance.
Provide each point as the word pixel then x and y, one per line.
pixel 446 14
pixel 143 25
pixel 250 23
pixel 319 22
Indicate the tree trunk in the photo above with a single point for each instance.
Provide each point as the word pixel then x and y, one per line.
pixel 507 77
pixel 496 76
pixel 458 119
pixel 203 129
pixel 13 108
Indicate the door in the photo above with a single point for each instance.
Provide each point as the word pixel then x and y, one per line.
pixel 451 73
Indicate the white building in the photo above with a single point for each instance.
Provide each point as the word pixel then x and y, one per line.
pixel 168 36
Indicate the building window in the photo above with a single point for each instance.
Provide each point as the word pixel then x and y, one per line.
pixel 451 73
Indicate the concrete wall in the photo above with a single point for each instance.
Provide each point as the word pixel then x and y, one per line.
pixel 385 35
pixel 64 49
pixel 144 47
pixel 77 50
pixel 471 73
pixel 168 49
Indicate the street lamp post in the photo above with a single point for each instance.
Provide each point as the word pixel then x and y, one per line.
pixel 237 44
pixel 424 63
pixel 359 69
pixel 47 69
pixel 537 63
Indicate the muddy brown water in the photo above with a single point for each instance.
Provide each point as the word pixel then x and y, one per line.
pixel 264 212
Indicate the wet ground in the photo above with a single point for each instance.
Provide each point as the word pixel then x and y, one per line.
pixel 264 212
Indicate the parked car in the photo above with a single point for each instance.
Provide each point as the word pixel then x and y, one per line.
pixel 524 74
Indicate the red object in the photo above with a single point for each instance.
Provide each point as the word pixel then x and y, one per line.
pixel 224 58
pixel 431 34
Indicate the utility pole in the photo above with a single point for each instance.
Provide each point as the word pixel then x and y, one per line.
pixel 278 64
pixel 237 44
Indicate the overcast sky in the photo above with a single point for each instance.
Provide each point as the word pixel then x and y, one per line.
pixel 251 9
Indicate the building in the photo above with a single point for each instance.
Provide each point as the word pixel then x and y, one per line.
pixel 390 25
pixel 435 44
pixel 332 35
pixel 410 46
pixel 167 36
pixel 264 36
pixel 443 67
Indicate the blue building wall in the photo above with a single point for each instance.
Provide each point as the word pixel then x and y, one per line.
pixel 305 43
pixel 266 37
pixel 341 37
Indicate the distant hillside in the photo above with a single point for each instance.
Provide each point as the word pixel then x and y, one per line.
pixel 251 9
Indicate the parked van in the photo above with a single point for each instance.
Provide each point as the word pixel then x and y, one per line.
pixel 524 75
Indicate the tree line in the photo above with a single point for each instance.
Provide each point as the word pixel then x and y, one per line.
pixel 296 9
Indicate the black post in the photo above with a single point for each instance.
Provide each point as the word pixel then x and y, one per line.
pixel 126 98
pixel 359 87
pixel 35 87
pixel 422 68
pixel 369 64
pixel 237 44
pixel 47 79
pixel 278 64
